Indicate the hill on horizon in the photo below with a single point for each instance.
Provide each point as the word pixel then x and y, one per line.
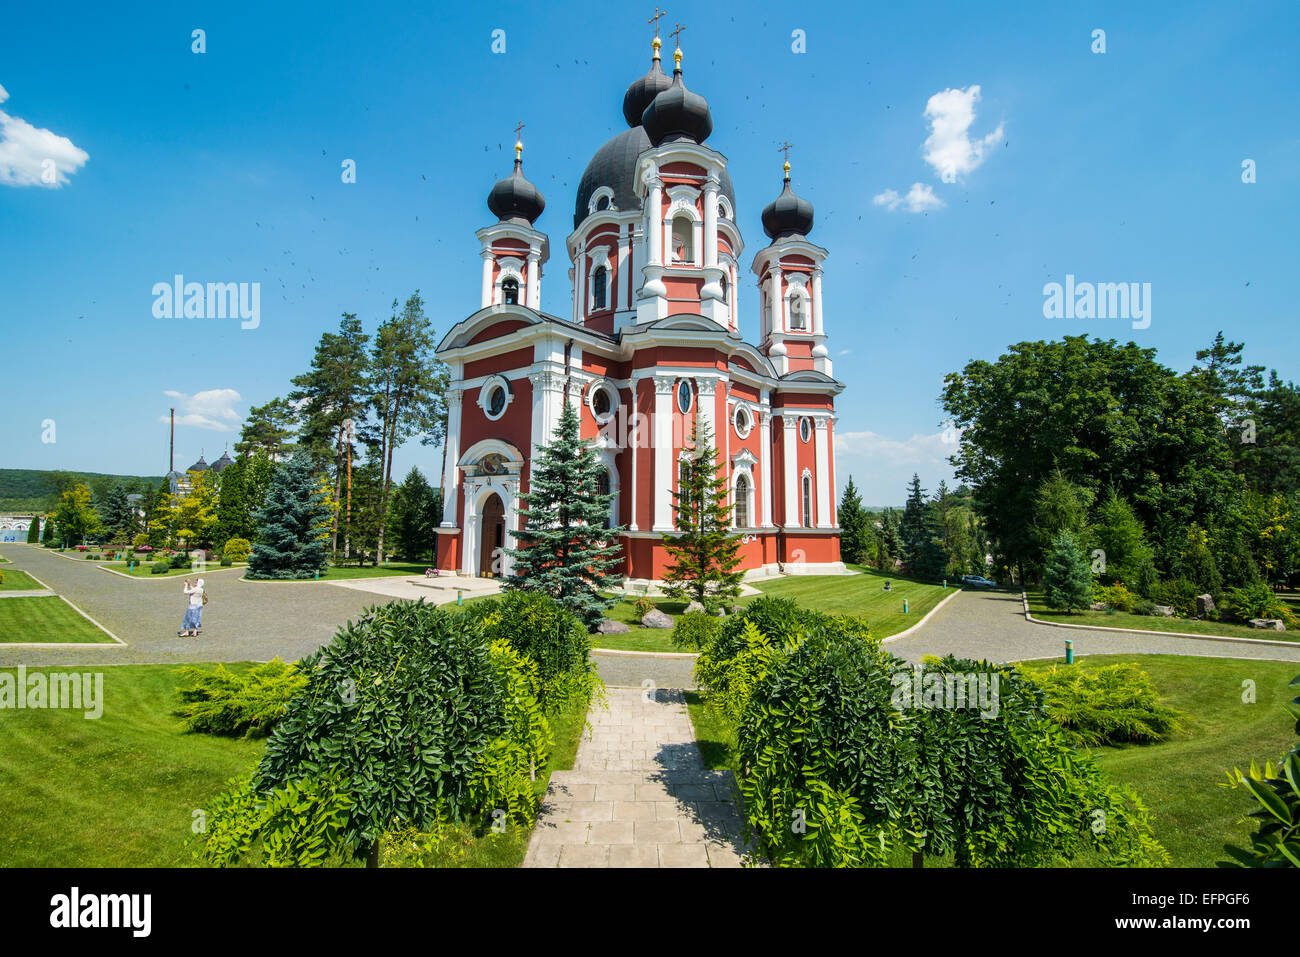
pixel 38 490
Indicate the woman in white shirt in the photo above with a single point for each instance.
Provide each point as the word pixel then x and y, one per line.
pixel 194 610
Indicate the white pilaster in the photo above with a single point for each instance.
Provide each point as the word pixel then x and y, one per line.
pixel 487 278
pixel 664 454
pixel 817 301
pixel 821 435
pixel 450 471
pixel 534 300
pixel 765 455
pixel 791 425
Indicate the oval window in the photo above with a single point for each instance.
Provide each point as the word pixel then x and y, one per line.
pixel 496 401
pixel 805 429
pixel 684 395
pixel 743 422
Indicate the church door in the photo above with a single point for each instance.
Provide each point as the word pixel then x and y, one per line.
pixel 492 532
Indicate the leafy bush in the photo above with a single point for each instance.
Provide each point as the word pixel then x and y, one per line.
pixel 159 568
pixel 1258 601
pixel 179 561
pixel 831 742
pixel 409 704
pixel 225 561
pixel 1144 607
pixel 643 606
pixel 1276 841
pixel 1117 596
pixel 237 549
pixel 695 630
pixel 1180 594
pixel 140 541
pixel 220 701
pixel 1109 705
pixel 553 637
pixel 303 824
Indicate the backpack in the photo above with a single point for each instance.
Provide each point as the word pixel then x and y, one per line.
pixel 205 596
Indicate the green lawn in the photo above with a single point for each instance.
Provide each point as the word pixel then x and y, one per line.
pixel 45 619
pixel 1119 619
pixel 861 595
pixel 145 570
pixel 1178 779
pixel 16 580
pixel 120 791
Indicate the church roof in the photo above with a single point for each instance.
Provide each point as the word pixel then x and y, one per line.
pixel 221 464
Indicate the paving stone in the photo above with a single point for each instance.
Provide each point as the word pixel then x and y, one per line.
pixel 584 855
pixel 683 855
pixel 634 855
pixel 612 832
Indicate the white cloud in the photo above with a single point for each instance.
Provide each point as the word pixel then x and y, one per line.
pixel 949 148
pixel 881 467
pixel 918 199
pixel 213 409
pixel 35 157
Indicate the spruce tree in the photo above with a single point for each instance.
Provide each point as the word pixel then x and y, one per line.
pixel 47 536
pixel 704 550
pixel 565 547
pixel 914 529
pixel 855 527
pixel 234 518
pixel 115 511
pixel 291 543
pixel 34 531
pixel 1067 576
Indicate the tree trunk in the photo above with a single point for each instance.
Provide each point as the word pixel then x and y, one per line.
pixel 338 489
pixel 372 856
pixel 918 859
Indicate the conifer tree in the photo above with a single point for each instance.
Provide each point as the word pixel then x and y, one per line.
pixel 1067 576
pixel 705 553
pixel 855 527
pixel 566 548
pixel 34 531
pixel 290 543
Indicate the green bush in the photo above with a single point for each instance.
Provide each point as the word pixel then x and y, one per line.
pixel 1144 607
pixel 159 568
pixel 1110 705
pixel 1276 841
pixel 236 549
pixel 220 701
pixel 1117 596
pixel 179 561
pixel 1258 601
pixel 1180 594
pixel 842 766
pixel 225 561
pixel 411 704
pixel 553 637
pixel 695 630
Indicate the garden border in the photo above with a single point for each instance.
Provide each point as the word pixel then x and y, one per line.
pixel 1024 599
pixel 169 578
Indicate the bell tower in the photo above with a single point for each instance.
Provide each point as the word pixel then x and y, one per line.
pixel 513 250
pixel 789 271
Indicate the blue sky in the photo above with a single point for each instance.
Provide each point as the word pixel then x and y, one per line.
pixel 1123 166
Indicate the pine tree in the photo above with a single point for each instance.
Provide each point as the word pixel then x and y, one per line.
pixel 1067 576
pixel 115 512
pixel 47 536
pixel 234 518
pixel 855 537
pixel 413 521
pixel 891 541
pixel 34 531
pixel 290 544
pixel 705 553
pixel 914 528
pixel 565 547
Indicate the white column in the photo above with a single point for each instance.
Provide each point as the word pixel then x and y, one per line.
pixel 534 300
pixel 711 221
pixel 487 278
pixel 580 287
pixel 708 400
pixel 765 457
pixel 664 453
pixel 791 425
pixel 548 393
pixel 624 265
pixel 451 472
pixel 633 445
pixel 817 300
pixel 774 297
pixel 822 451
pixel 655 225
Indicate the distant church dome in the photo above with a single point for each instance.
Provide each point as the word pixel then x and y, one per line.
pixel 788 214
pixel 515 199
pixel 200 466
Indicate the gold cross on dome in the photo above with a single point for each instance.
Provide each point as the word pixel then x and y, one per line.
pixel 785 148
pixel 676 35
pixel 655 19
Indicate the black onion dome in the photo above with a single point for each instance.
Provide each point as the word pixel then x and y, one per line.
pixel 643 91
pixel 677 114
pixel 788 215
pixel 614 165
pixel 514 199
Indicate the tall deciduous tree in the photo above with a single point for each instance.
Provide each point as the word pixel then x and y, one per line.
pixel 565 548
pixel 76 516
pixel 704 550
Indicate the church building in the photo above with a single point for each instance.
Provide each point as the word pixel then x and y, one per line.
pixel 654 340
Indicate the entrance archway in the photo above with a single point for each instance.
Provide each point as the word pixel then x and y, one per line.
pixel 492 533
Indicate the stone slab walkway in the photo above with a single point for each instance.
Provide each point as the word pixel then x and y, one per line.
pixel 639 794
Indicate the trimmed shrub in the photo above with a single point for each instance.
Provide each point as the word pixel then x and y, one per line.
pixel 1109 705
pixel 1117 596
pixel 237 549
pixel 226 562
pixel 159 568
pixel 695 630
pixel 220 701
pixel 179 561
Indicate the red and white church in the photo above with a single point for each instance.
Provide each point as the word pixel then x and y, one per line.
pixel 653 341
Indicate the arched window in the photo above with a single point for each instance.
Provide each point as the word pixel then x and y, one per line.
pixel 598 282
pixel 741 512
pixel 683 240
pixel 602 203
pixel 510 291
pixel 807 501
pixel 602 487
pixel 798 312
